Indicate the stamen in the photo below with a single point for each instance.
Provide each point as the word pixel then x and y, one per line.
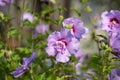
pixel 114 21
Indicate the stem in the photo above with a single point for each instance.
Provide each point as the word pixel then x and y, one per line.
pixel 21 23
pixel 63 68
pixel 35 4
pixel 98 48
pixel 104 63
pixel 6 76
pixel 31 73
pixel 54 72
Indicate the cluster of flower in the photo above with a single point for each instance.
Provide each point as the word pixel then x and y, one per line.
pixel 111 23
pixel 62 44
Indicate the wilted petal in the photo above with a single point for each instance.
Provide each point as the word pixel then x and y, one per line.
pixel 18 72
pixel 28 61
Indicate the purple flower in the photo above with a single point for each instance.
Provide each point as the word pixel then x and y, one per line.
pixel 61 45
pixel 111 20
pixel 80 56
pixel 18 72
pixel 26 62
pixel 4 2
pixel 8 1
pixel 28 16
pixel 115 44
pixel 42 28
pixel 75 27
pixel 114 75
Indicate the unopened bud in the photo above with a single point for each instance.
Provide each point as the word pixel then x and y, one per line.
pixel 6 54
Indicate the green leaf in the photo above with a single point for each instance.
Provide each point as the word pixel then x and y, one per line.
pixel 60 78
pixel 60 19
pixel 78 12
pixel 23 50
pixel 83 1
pixel 13 31
pixel 88 9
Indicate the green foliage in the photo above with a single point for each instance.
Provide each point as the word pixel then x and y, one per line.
pixel 83 1
pixel 88 9
pixel 13 31
pixel 78 12
pixel 45 67
pixel 23 50
pixel 4 18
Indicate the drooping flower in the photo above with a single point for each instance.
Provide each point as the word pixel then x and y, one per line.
pixel 111 21
pixel 114 75
pixel 28 16
pixel 61 45
pixel 25 65
pixel 75 27
pixel 18 72
pixel 42 28
pixel 28 61
pixel 5 2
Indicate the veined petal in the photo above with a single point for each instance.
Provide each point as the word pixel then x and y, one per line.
pixel 51 51
pixel 73 46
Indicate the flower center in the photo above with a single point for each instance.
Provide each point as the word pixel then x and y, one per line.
pixel 114 21
pixel 73 29
pixel 63 43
